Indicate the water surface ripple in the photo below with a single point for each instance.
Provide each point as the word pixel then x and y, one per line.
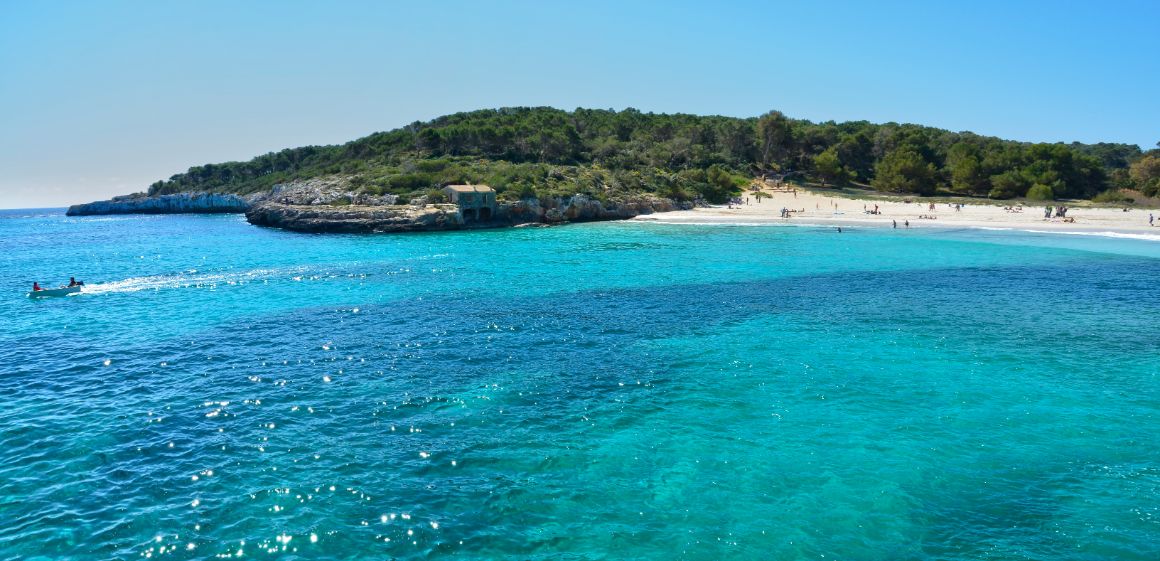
pixel 588 392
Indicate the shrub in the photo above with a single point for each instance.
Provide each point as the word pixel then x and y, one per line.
pixel 1040 192
pixel 526 191
pixel 410 182
pixel 431 166
pixel 1113 196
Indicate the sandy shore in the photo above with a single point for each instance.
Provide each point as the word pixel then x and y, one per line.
pixel 825 209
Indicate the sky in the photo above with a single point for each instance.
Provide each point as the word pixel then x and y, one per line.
pixel 103 98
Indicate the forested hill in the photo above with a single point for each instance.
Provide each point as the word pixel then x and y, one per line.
pixel 541 151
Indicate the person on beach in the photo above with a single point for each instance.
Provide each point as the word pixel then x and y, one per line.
pixel 1150 219
pixel 895 222
pixel 906 223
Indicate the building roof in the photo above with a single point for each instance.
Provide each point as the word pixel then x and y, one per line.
pixel 470 188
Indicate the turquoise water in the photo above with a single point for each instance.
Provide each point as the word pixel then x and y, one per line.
pixel 603 391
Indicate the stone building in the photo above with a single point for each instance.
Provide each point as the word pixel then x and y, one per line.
pixel 476 202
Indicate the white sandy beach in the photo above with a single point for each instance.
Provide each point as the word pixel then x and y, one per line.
pixel 823 209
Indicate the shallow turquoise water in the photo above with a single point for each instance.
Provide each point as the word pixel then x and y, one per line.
pixel 604 391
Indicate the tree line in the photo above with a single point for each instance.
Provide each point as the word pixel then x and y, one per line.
pixel 539 151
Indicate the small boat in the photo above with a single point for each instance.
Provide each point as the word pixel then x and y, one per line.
pixel 50 292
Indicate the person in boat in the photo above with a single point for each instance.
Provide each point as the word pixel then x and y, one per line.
pixel 72 281
pixel 36 287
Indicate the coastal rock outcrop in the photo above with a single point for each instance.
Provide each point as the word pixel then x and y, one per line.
pixel 179 203
pixel 334 204
pixel 317 191
pixel 355 218
pixel 421 217
pixel 581 208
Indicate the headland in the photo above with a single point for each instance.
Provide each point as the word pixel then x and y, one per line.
pixel 540 165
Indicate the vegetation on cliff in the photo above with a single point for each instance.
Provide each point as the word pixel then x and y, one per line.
pixel 524 152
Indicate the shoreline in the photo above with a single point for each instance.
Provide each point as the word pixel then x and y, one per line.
pixel 1146 236
pixel 807 208
pixel 823 210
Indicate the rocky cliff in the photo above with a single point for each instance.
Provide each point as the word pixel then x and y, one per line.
pixel 166 204
pixel 355 218
pixel 427 217
pixel 317 191
pixel 580 208
pixel 330 204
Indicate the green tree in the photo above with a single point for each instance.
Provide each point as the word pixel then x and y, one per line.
pixel 1145 173
pixel 719 184
pixel 904 171
pixel 1007 185
pixel 774 137
pixel 828 167
pixel 1069 173
pixel 856 152
pixel 966 170
pixel 1111 155
pixel 737 140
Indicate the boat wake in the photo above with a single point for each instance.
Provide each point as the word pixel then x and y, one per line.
pixel 196 279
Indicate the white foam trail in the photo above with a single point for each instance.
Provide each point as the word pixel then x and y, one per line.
pixel 191 279
pixel 111 218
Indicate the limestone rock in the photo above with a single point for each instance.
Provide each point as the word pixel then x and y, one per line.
pixel 355 218
pixel 334 204
pixel 181 203
pixel 327 190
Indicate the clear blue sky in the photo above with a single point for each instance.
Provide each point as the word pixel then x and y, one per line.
pixel 103 98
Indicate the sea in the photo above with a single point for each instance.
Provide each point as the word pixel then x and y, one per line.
pixel 617 390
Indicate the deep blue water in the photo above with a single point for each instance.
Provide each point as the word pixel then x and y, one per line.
pixel 602 391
